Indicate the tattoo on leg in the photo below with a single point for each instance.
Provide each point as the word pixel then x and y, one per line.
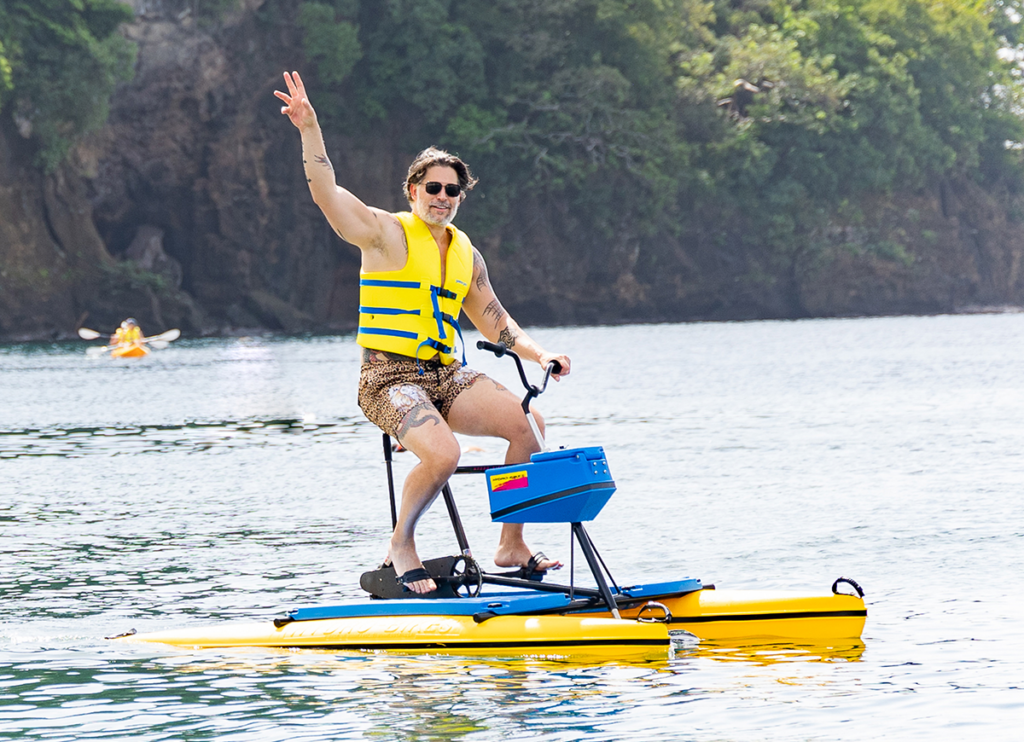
pixel 497 386
pixel 508 337
pixel 495 310
pixel 419 415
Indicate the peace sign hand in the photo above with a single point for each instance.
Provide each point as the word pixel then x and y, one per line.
pixel 297 106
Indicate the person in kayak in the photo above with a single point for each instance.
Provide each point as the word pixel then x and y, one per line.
pixel 418 273
pixel 128 332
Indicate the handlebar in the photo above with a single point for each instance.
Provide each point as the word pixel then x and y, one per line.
pixel 500 349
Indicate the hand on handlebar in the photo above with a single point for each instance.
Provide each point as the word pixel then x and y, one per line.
pixel 561 364
pixel 554 364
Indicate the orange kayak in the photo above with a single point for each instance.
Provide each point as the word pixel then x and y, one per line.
pixel 129 350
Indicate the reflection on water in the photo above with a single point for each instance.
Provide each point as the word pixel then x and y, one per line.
pixel 358 695
pixel 768 652
pixel 226 480
pixel 192 436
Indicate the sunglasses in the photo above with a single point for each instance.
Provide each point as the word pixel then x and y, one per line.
pixel 451 189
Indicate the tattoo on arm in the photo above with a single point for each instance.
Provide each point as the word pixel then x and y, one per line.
pixel 480 268
pixel 419 415
pixel 508 337
pixel 322 159
pixel 494 309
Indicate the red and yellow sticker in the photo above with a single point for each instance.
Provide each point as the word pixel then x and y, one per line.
pixel 512 480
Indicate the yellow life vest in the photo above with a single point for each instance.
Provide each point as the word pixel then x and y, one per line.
pixel 407 311
pixel 129 335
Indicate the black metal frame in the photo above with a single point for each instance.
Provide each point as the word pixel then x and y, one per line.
pixel 603 593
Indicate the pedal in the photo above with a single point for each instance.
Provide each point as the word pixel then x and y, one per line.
pixel 383 582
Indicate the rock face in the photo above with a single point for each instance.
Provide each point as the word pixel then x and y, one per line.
pixel 190 209
pixel 35 288
pixel 196 148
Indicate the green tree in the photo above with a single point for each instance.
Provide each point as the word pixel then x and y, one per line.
pixel 332 43
pixel 64 59
pixel 823 101
pixel 5 76
pixel 618 122
pixel 577 113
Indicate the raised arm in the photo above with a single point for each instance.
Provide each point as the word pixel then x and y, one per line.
pixel 490 318
pixel 355 222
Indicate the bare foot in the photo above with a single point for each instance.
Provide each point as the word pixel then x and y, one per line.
pixel 520 556
pixel 404 558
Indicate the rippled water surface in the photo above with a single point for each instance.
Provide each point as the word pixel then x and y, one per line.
pixel 228 479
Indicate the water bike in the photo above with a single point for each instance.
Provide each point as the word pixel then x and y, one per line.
pixel 132 349
pixel 521 611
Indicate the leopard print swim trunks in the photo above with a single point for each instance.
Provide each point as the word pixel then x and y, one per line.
pixel 389 389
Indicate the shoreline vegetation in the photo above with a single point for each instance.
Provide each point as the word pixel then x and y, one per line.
pixel 642 161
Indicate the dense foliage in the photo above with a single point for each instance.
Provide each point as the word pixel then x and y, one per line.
pixel 59 63
pixel 637 115
pixel 630 118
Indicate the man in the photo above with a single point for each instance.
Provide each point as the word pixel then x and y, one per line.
pixel 418 273
pixel 128 332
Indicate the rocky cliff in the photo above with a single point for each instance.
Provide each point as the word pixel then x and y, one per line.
pixel 190 209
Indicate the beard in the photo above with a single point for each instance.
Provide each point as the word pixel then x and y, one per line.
pixel 422 210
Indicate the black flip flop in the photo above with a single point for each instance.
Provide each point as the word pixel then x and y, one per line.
pixel 530 571
pixel 413 575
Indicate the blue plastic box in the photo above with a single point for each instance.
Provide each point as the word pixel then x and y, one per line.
pixel 569 485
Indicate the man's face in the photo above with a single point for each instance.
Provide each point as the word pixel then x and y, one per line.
pixel 439 209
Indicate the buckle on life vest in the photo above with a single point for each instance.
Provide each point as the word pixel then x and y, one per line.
pixel 436 346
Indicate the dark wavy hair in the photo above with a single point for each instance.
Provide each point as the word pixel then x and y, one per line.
pixel 430 157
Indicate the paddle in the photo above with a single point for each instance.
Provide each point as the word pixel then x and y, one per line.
pixel 157 341
pixel 168 336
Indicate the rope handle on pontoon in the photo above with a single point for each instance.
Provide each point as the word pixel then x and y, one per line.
pixel 851 583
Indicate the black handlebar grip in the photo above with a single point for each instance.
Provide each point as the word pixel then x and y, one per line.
pixel 498 349
pixel 556 367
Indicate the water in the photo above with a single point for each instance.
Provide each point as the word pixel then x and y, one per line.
pixel 229 479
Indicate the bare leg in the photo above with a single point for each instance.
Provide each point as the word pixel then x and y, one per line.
pixel 488 408
pixel 426 434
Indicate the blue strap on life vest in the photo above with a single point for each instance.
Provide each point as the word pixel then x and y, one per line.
pixel 434 291
pixel 455 323
pixel 430 342
pixel 386 310
pixel 390 333
pixel 389 284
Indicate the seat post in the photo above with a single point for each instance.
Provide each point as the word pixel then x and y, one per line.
pixel 453 513
pixel 391 481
